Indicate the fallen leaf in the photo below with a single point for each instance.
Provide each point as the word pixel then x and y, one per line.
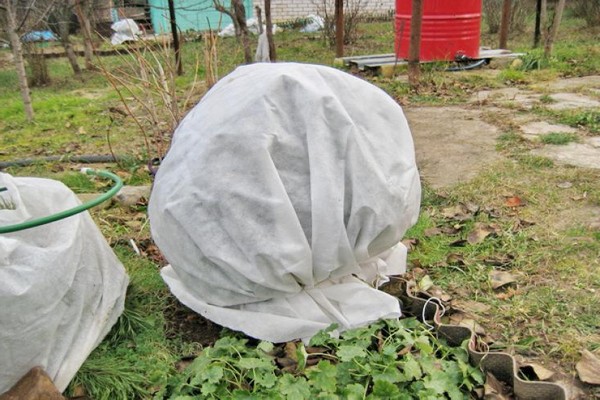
pixel 81 130
pixel 419 272
pixel 588 368
pixel 286 362
pixel 470 306
pixel 415 264
pixel 564 185
pixel 425 283
pixel 461 319
pixel 501 260
pixel 290 351
pixel 539 372
pixel 452 230
pixel 432 232
pixel 514 201
pixel 496 389
pixel 472 207
pixel 458 243
pixel 501 278
pixel 405 350
pixel 183 363
pixel 410 243
pixel 506 295
pixel 520 224
pixel 480 232
pixel 438 292
pixel 459 212
pixel 314 349
pixel 579 198
pixel 455 259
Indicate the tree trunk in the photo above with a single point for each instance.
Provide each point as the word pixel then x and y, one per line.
pixel 272 51
pixel 538 20
pixel 560 6
pixel 414 70
pixel 239 12
pixel 175 35
pixel 544 19
pixel 339 28
pixel 504 24
pixel 82 10
pixel 63 29
pixel 17 50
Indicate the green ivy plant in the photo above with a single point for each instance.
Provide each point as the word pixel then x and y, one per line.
pixel 392 359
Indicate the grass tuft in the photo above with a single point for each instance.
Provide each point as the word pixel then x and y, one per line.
pixel 559 138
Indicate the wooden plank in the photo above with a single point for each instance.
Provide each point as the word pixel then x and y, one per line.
pixel 376 60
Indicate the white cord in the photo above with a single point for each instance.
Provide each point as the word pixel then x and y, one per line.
pixel 438 302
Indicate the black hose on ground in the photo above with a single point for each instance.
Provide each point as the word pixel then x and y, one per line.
pixel 84 159
pixel 467 67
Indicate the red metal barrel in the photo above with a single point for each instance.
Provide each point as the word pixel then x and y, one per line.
pixel 450 29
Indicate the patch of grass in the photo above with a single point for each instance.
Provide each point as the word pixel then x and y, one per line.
pixel 549 314
pixel 534 60
pixel 585 119
pixel 536 162
pixel 510 142
pixel 559 138
pixel 513 77
pixel 547 99
pixel 589 119
pixel 135 357
pixel 78 182
pixel 107 378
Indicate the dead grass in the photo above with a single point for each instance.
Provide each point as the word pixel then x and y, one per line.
pixel 550 314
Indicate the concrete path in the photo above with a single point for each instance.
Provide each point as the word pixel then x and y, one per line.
pixel 453 143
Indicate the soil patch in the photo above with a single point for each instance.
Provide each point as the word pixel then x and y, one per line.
pixel 571 84
pixel 452 144
pixel 190 326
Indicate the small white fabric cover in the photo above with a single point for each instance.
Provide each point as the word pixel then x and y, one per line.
pixel 280 190
pixel 262 49
pixel 125 30
pixel 61 286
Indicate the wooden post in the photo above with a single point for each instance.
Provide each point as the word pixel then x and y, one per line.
pixel 175 35
pixel 339 28
pixel 272 51
pixel 414 70
pixel 504 24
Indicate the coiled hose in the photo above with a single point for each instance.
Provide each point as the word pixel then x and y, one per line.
pixel 118 184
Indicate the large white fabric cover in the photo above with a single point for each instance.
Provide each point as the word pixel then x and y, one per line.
pixel 61 286
pixel 281 188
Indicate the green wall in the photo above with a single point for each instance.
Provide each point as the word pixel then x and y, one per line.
pixel 191 15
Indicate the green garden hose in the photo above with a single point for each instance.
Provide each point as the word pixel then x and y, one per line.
pixel 72 211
